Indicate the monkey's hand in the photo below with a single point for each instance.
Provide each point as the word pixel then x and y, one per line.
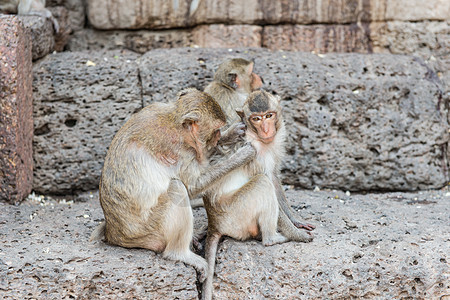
pixel 233 134
pixel 244 154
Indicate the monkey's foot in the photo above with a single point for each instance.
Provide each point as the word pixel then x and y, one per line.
pixel 273 240
pixel 300 225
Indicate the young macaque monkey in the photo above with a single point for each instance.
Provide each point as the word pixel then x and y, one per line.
pixel 243 204
pixel 233 81
pixel 28 7
pixel 155 163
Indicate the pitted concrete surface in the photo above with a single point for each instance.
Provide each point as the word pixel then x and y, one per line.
pixel 368 246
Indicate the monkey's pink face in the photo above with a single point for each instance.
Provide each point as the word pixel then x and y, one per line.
pixel 265 125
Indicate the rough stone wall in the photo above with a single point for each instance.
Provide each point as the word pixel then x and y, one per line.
pixel 299 25
pixel 16 112
pixel 81 98
pixel 355 122
pixel 415 27
pixel 44 38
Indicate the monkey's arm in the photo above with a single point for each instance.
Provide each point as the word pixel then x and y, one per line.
pixel 284 206
pixel 220 169
pixel 232 134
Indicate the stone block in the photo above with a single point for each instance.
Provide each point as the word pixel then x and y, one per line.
pixel 119 14
pixel 43 41
pixel 173 14
pixel 81 100
pixel 416 10
pixel 227 36
pixel 280 12
pixel 16 112
pixel 139 41
pixel 418 38
pixel 318 38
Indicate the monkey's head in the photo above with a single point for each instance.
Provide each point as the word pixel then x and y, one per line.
pixel 200 119
pixel 237 73
pixel 262 115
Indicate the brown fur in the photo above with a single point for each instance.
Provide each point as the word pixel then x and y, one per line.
pixel 231 100
pixel 244 203
pixel 156 161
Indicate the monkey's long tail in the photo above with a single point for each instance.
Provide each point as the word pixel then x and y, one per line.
pixel 212 241
pixel 98 232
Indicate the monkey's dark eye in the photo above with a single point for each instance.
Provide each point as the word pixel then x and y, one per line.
pixel 269 115
pixel 256 119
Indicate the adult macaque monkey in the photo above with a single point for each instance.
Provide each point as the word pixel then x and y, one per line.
pixel 243 204
pixel 233 81
pixel 156 162
pixel 28 7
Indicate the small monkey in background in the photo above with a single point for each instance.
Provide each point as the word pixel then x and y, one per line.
pixel 243 204
pixel 28 7
pixel 155 163
pixel 233 81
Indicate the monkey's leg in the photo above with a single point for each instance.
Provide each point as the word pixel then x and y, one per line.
pixel 268 217
pixel 286 208
pixel 178 229
pixel 290 231
pixel 251 210
pixel 212 241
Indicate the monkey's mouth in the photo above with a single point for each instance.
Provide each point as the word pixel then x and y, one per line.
pixel 267 140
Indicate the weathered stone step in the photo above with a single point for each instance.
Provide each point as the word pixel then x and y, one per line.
pixel 374 246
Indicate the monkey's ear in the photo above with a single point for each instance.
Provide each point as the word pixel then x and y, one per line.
pixel 233 80
pixel 249 68
pixel 241 114
pixel 190 119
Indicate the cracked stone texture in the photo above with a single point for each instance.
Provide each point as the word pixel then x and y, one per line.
pixel 45 253
pixel 368 246
pixel 318 38
pixel 157 14
pixel 355 122
pixel 41 35
pixel 81 100
pixel 139 41
pixel 16 113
